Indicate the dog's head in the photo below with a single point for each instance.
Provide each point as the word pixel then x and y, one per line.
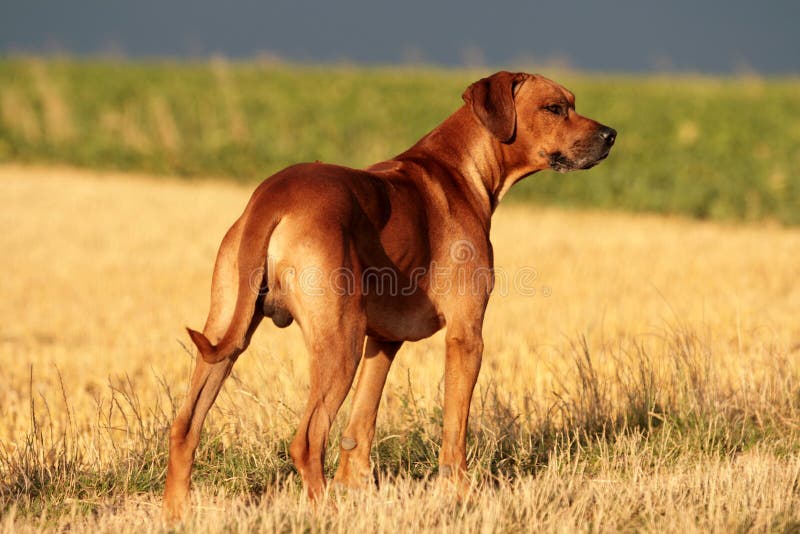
pixel 535 120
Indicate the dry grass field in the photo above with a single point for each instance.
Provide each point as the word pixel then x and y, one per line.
pixel 651 382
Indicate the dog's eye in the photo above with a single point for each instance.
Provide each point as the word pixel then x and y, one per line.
pixel 555 109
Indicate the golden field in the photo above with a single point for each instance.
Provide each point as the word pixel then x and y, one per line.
pixel 652 382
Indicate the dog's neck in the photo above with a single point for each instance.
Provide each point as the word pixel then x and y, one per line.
pixel 472 155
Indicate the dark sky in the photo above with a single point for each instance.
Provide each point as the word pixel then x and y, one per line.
pixel 623 35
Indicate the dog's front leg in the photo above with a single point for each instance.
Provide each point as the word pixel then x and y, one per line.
pixel 463 362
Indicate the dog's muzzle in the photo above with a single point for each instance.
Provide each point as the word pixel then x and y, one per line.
pixel 589 152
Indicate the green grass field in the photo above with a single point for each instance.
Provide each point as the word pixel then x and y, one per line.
pixel 706 147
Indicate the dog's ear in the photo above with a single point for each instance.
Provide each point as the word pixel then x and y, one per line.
pixel 492 101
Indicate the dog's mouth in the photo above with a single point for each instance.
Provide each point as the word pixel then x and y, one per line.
pixel 597 160
pixel 561 163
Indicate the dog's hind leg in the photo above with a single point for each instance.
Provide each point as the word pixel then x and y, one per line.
pixel 354 467
pixel 185 434
pixel 334 327
pixel 206 381
pixel 334 351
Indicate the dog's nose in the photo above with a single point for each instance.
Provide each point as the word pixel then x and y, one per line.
pixel 608 135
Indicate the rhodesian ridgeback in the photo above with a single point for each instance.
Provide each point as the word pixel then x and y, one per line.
pixel 365 260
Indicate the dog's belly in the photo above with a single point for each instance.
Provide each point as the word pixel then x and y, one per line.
pixel 402 317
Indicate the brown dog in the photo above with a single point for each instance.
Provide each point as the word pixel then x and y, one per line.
pixel 392 253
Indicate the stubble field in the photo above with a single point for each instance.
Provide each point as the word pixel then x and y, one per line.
pixel 650 381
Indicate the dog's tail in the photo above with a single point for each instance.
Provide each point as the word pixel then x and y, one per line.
pixel 209 352
pixel 251 267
